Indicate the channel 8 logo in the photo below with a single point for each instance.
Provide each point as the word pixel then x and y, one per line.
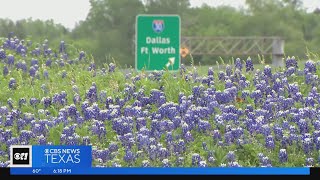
pixel 21 156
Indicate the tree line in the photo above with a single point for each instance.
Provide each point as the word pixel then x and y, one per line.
pixel 109 29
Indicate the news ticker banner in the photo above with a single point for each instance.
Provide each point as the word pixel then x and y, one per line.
pixel 50 156
pixel 160 171
pixel 77 160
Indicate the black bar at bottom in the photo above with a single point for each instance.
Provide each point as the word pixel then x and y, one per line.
pixel 315 171
pixel 4 172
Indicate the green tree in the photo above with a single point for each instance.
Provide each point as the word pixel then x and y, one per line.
pixel 112 24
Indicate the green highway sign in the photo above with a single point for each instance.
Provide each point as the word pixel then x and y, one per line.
pixel 157 42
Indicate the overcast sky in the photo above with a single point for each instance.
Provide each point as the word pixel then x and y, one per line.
pixel 68 12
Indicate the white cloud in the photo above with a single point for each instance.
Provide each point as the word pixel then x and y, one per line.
pixel 66 12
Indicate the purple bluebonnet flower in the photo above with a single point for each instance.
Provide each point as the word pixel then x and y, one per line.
pixel 103 96
pixel 46 102
pixel 182 69
pixel 38 129
pixel 163 153
pixel 42 140
pixel 36 52
pixel 34 101
pixel 210 71
pixel 228 84
pixel 310 67
pixel 260 156
pixel 4 164
pixel 92 66
pixel 143 141
pixel 180 161
pixel 113 147
pixel 23 52
pixel 211 160
pixel 32 71
pixel 307 145
pixel 228 70
pixel 10 103
pixel 103 71
pixel 46 74
pixel 231 156
pixel 5 71
pixel 75 88
pixel 10 61
pixel 140 154
pixel 290 71
pixel 317 142
pixel 221 76
pixel 238 64
pixel 22 101
pixel 265 161
pixel 216 135
pixel 9 120
pixel 293 88
pixel 112 67
pixel 195 159
pixel 86 140
pixel 249 65
pixel 129 156
pixel 102 114
pixel 47 51
pixel 12 83
pixel 267 71
pixel 48 62
pixel 91 94
pixel 169 137
pixel 145 163
pixel 34 62
pixel 81 55
pixel 68 131
pixel 180 146
pixel 44 88
pixel 291 62
pixel 64 57
pixel 234 164
pixel 63 73
pixel 2 54
pixel 72 110
pixel 270 144
pixel 309 101
pixel 73 140
pixel 7 134
pixel 204 146
pixel 309 162
pixel 278 131
pixel 166 163
pixel 283 156
pixel 303 125
pixel 202 164
pixel 79 119
pixel 62 47
pixel 141 122
pixel 76 98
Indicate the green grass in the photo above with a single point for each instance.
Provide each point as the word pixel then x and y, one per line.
pixel 114 85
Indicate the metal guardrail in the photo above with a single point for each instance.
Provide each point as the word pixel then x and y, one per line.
pixel 236 45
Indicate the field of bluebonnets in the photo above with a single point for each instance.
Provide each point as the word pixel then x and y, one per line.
pixel 236 116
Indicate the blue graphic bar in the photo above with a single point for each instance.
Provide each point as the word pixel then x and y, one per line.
pixel 61 156
pixel 160 171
